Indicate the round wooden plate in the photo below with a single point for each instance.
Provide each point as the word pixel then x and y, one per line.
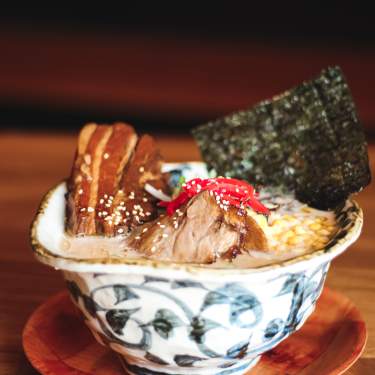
pixel 57 342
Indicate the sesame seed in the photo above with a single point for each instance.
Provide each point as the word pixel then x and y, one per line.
pixel 87 159
pixel 106 155
pixel 145 199
pixel 108 205
pixel 105 196
pixel 141 169
pixel 90 209
pixel 80 191
pixel 148 213
pixel 137 237
pixel 127 213
pixel 162 226
pixel 83 209
pixel 105 213
pixel 144 230
pixel 120 230
pixel 101 201
pixel 153 248
pixel 165 235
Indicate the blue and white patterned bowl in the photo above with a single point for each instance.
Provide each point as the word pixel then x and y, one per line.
pixel 167 318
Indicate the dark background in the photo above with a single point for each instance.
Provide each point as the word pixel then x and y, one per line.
pixel 165 68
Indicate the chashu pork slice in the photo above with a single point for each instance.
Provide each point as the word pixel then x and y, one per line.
pixel 133 205
pixel 83 181
pixel 117 154
pixel 199 232
pixel 102 153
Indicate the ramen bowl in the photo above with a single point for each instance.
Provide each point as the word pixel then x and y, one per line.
pixel 170 318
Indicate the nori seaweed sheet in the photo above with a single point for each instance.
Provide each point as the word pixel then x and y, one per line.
pixel 309 140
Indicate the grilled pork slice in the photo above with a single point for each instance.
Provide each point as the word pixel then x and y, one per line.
pixel 83 182
pixel 106 187
pixel 199 232
pixel 132 205
pixel 118 151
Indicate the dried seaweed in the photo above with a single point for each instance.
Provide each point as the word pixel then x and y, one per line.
pixel 309 140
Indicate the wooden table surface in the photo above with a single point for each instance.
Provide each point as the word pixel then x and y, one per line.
pixel 31 163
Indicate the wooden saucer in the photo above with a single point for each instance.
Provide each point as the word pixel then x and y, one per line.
pixel 57 342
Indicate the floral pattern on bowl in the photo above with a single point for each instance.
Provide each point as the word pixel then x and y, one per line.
pixel 182 326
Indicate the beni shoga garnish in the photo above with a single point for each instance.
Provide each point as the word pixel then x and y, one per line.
pixel 226 191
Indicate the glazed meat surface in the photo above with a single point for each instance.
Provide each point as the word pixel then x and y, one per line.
pixel 106 187
pixel 199 232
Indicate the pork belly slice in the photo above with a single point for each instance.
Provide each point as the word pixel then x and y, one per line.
pixel 117 153
pixel 199 232
pixel 133 206
pixel 84 179
pixel 106 188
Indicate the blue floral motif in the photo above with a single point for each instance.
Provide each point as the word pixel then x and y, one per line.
pixel 184 360
pixel 199 327
pixel 244 308
pixel 123 293
pixel 165 321
pixel 239 350
pixel 155 359
pixel 302 288
pixel 274 327
pixel 240 301
pixel 186 284
pixel 117 319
